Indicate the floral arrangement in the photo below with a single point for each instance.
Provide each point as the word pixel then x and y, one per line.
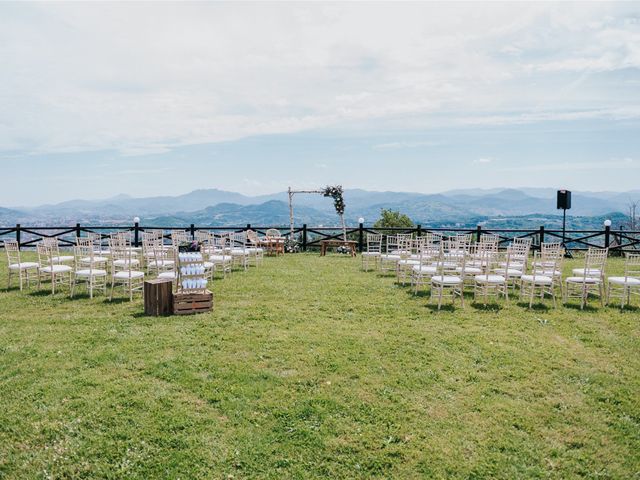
pixel 335 192
pixel 343 249
pixel 193 246
pixel 291 245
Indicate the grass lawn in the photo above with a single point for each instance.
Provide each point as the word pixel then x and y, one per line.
pixel 310 368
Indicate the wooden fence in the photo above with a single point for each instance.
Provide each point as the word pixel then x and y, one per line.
pixel 310 237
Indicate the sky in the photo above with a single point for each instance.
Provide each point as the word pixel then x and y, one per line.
pixel 150 98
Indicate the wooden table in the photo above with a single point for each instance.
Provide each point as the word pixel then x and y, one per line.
pixel 273 245
pixel 352 245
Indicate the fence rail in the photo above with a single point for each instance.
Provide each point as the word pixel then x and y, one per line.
pixel 310 237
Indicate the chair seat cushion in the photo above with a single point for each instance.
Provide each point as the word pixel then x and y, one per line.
pixel 89 273
pixel 56 269
pixel 548 273
pixel 62 259
pixel 390 256
pixel 446 279
pixel 95 260
pixel 124 262
pixel 171 275
pixel 425 269
pixel 409 261
pixel 370 254
pixel 512 272
pixel 220 258
pixel 591 272
pixel 23 266
pixel 207 264
pixel 469 270
pixel 490 279
pixel 590 280
pixel 239 251
pixel 125 275
pixel 161 263
pixel 539 279
pixel 630 281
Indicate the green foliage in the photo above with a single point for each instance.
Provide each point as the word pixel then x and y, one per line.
pixel 310 368
pixel 393 219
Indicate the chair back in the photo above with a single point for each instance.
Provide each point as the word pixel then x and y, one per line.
pixel 238 239
pixel 178 237
pixel 632 266
pixel 13 251
pixel 451 259
pixel 45 254
pixel 595 260
pixel 374 242
pixel 489 239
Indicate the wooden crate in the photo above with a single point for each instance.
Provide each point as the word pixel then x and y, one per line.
pixel 157 297
pixel 189 303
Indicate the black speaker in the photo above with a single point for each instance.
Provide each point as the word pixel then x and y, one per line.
pixel 564 200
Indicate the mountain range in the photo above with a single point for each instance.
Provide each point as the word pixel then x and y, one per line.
pixel 219 207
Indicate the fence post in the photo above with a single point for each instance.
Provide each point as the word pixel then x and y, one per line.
pixel 304 237
pixel 78 230
pixel 360 237
pixel 192 230
pixel 136 234
pixel 541 235
pixel 248 227
pixel 478 233
pixel 419 230
pixel 607 236
pixel 18 234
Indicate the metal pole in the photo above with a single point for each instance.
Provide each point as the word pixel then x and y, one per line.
pixel 291 212
pixel 361 237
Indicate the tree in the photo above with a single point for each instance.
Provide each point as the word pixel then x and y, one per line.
pixel 634 220
pixel 392 219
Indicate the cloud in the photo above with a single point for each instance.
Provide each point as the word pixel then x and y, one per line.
pixel 611 164
pixel 401 145
pixel 76 77
pixel 483 160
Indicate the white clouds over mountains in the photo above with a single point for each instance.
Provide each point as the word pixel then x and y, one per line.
pixel 144 77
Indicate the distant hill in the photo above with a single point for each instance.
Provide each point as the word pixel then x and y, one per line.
pixel 271 213
pixel 218 207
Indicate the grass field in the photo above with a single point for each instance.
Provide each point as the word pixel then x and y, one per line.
pixel 310 368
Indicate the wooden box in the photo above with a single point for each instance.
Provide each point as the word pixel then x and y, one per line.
pixel 189 303
pixel 157 297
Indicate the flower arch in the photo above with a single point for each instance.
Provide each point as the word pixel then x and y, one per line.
pixel 336 192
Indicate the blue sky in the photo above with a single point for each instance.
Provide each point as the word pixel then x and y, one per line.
pixel 163 98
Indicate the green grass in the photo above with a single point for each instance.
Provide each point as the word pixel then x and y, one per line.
pixel 310 368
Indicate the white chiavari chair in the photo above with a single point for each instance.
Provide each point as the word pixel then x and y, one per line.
pixel 49 269
pixel 221 258
pixel 238 249
pixel 123 268
pixel 543 279
pixel 628 285
pixel 489 283
pixel 24 270
pixel 373 251
pixel 588 280
pixel 447 277
pixel 514 264
pixel 57 257
pixel 88 268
